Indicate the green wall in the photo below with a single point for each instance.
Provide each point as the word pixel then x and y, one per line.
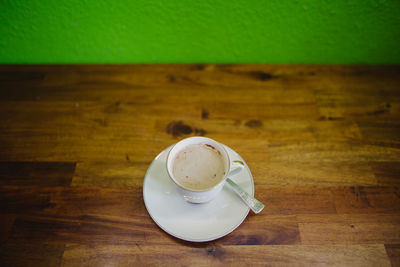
pixel 201 31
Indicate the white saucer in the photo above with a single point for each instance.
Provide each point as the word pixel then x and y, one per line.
pixel 194 222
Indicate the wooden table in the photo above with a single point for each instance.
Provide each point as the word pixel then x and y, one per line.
pixel 323 143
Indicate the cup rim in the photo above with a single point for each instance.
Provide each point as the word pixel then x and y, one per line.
pixel 194 190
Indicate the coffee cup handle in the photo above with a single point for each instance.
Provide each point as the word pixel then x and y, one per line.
pixel 236 167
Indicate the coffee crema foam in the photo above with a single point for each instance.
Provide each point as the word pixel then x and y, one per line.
pixel 198 167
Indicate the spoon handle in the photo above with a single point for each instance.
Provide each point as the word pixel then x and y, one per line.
pixel 255 205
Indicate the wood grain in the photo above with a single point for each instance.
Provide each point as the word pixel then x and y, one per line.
pixel 37 173
pixel 322 142
pixel 393 251
pixel 349 229
pixel 6 222
pixel 30 254
pixel 387 173
pixel 123 174
pixel 357 255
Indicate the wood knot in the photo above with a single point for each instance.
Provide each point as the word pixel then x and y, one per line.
pixel 204 114
pixel 254 123
pixel 178 128
pixel 262 76
pixel 215 251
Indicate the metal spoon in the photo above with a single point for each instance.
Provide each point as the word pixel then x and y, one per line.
pixel 255 205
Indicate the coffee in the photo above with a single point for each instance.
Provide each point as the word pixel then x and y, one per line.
pixel 198 167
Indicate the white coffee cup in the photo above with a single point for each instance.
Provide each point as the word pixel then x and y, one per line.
pixel 202 196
